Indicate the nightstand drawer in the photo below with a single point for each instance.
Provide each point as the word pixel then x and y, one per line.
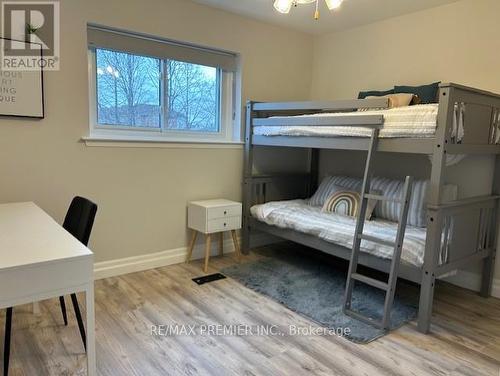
pixel 224 224
pixel 224 211
pixel 209 216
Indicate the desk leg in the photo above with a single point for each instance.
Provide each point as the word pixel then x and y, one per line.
pixel 91 359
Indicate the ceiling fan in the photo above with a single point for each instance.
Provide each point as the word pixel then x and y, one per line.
pixel 284 6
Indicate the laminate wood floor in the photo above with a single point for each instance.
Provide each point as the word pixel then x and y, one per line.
pixel 465 337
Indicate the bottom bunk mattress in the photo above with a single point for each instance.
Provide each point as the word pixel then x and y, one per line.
pixel 299 216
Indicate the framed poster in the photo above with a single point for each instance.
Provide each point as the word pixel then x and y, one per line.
pixel 21 85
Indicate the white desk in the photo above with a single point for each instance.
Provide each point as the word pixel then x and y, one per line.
pixel 40 260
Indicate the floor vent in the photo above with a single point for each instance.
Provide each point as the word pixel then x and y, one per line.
pixel 208 278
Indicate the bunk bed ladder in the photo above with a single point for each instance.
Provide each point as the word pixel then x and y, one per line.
pixel 390 286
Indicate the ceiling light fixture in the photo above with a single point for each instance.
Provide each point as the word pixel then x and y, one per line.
pixel 284 6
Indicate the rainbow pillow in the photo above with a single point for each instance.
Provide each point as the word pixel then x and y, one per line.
pixel 347 203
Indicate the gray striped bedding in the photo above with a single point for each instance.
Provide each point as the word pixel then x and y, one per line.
pixel 394 189
pixel 330 184
pixel 390 188
pixel 298 215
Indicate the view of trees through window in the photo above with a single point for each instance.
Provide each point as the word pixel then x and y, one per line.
pixel 132 89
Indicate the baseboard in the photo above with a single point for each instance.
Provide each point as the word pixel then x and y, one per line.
pixel 112 268
pixel 472 281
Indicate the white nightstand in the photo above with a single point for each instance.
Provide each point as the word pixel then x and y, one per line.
pixel 211 217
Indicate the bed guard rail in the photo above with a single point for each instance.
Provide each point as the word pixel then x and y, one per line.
pixel 468 231
pixel 268 114
pixel 276 187
pixel 321 106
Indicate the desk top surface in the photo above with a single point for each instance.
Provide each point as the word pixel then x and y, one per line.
pixel 29 236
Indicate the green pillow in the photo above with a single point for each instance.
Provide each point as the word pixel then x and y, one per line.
pixel 374 93
pixel 426 93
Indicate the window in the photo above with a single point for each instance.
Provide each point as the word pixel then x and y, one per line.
pixel 152 89
pixel 128 89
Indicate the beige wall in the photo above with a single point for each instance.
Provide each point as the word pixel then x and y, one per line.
pixel 141 192
pixel 457 42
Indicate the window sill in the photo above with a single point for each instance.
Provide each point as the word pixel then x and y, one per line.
pixel 136 142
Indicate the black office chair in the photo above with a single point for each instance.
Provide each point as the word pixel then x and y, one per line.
pixel 78 222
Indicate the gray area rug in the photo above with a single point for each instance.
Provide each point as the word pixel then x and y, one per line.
pixel 314 288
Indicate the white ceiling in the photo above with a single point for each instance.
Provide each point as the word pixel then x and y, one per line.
pixel 352 13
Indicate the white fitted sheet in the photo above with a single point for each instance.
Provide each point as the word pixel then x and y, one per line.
pixel 298 215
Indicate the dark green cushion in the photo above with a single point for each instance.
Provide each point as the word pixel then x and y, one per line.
pixel 374 93
pixel 426 93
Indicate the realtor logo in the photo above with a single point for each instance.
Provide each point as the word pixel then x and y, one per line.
pixel 31 35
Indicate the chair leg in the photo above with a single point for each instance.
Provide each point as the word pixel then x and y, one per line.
pixel 62 303
pixel 76 307
pixel 6 348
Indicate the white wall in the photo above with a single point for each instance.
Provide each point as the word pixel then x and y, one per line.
pixel 141 192
pixel 452 43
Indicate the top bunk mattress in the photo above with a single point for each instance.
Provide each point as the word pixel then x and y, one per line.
pixel 418 121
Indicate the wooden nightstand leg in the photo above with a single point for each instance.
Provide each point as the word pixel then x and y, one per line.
pixel 191 246
pixel 221 244
pixel 207 252
pixel 236 245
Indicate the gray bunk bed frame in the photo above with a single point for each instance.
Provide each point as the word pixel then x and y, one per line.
pixel 458 233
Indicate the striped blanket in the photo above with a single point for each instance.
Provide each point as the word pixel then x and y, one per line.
pixel 298 215
pixel 410 121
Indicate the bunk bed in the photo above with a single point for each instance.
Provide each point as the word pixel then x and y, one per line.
pixel 466 121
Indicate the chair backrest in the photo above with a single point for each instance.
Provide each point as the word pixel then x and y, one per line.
pixel 80 218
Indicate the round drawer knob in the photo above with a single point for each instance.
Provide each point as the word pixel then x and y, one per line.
pixel 225 212
pixel 225 224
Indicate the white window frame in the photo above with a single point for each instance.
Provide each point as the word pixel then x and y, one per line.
pixel 229 121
